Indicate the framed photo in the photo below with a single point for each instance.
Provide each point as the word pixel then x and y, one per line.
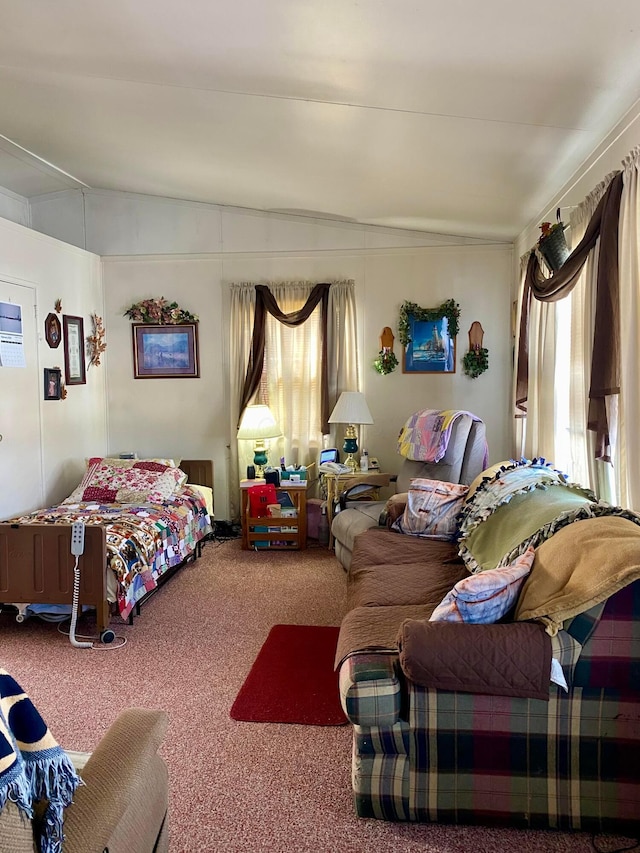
pixel 74 368
pixel 52 383
pixel 52 331
pixel 165 352
pixel 431 349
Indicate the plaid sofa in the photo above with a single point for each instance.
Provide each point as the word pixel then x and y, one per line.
pixel 572 763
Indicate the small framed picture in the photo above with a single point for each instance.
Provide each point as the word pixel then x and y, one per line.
pixel 164 352
pixel 431 348
pixel 74 368
pixel 52 331
pixel 52 383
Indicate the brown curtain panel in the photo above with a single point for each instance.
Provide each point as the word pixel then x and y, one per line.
pixel 266 303
pixel 605 362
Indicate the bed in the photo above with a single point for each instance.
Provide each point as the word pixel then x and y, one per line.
pixel 143 520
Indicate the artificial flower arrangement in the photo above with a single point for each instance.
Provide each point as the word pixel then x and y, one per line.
pixel 160 312
pixel 96 343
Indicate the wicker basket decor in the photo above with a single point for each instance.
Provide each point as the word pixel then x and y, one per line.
pixel 554 249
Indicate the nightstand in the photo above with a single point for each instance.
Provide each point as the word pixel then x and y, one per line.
pixel 287 532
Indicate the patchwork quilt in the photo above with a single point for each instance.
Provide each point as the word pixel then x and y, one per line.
pixel 143 540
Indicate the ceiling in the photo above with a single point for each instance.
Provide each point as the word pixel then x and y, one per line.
pixel 458 117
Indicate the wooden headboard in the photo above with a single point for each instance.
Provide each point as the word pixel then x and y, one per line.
pixel 198 471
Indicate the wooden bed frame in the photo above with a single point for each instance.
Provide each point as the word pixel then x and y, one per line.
pixel 36 564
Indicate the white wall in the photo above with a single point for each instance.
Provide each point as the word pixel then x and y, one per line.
pixel 14 207
pixel 189 417
pixel 76 427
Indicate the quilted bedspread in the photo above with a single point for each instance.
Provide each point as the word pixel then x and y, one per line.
pixel 143 541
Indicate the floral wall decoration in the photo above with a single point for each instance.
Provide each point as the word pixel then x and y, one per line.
pixel 386 362
pixel 159 312
pixel 476 360
pixel 96 343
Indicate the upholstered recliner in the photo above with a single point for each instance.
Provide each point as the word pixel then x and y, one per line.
pixel 122 805
pixel 464 459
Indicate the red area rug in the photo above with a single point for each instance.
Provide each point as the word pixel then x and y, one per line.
pixel 292 679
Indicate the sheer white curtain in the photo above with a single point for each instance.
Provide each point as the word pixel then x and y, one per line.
pixel 575 375
pixel 537 430
pixel 242 310
pixel 291 380
pixel 627 463
pixel 291 384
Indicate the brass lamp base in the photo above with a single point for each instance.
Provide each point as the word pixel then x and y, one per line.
pixel 350 447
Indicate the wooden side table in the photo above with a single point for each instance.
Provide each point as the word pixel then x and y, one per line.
pixel 279 533
pixel 337 483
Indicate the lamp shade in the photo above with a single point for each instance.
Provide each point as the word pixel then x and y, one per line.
pixel 351 408
pixel 258 422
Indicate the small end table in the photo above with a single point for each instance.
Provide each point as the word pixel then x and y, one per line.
pixel 337 483
pixel 270 532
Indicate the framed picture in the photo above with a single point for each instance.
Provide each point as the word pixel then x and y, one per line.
pixel 165 352
pixel 74 368
pixel 52 331
pixel 431 349
pixel 52 383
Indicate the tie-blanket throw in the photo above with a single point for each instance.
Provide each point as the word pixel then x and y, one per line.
pixel 425 436
pixel 33 767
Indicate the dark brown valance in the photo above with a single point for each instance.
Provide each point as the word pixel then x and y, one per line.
pixel 266 303
pixel 605 363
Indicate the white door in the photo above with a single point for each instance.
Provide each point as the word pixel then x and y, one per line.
pixel 21 488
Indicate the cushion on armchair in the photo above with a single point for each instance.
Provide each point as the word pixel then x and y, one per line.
pixel 432 509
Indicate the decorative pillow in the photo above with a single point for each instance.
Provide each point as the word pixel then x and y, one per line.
pixel 488 474
pixel 486 597
pixel 432 509
pixel 117 462
pixel 139 482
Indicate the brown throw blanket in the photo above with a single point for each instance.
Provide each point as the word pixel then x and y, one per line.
pixel 580 566
pixel 500 660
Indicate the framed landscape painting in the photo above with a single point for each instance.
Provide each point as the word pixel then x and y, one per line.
pixel 165 352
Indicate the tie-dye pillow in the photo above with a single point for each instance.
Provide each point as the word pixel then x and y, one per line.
pixel 432 509
pixel 486 597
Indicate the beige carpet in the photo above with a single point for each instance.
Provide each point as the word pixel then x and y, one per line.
pixel 236 787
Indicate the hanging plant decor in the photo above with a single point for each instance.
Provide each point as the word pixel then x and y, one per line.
pixel 475 362
pixel 386 362
pixel 159 312
pixel 449 309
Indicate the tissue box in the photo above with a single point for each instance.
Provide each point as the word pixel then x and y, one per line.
pixel 286 475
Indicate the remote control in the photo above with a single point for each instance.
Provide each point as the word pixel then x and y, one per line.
pixel 77 538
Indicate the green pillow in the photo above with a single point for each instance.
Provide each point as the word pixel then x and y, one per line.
pixel 517 520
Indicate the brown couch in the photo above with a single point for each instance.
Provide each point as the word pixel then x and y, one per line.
pixel 122 807
pixel 458 722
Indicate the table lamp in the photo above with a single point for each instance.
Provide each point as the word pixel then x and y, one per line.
pixel 351 409
pixel 258 423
